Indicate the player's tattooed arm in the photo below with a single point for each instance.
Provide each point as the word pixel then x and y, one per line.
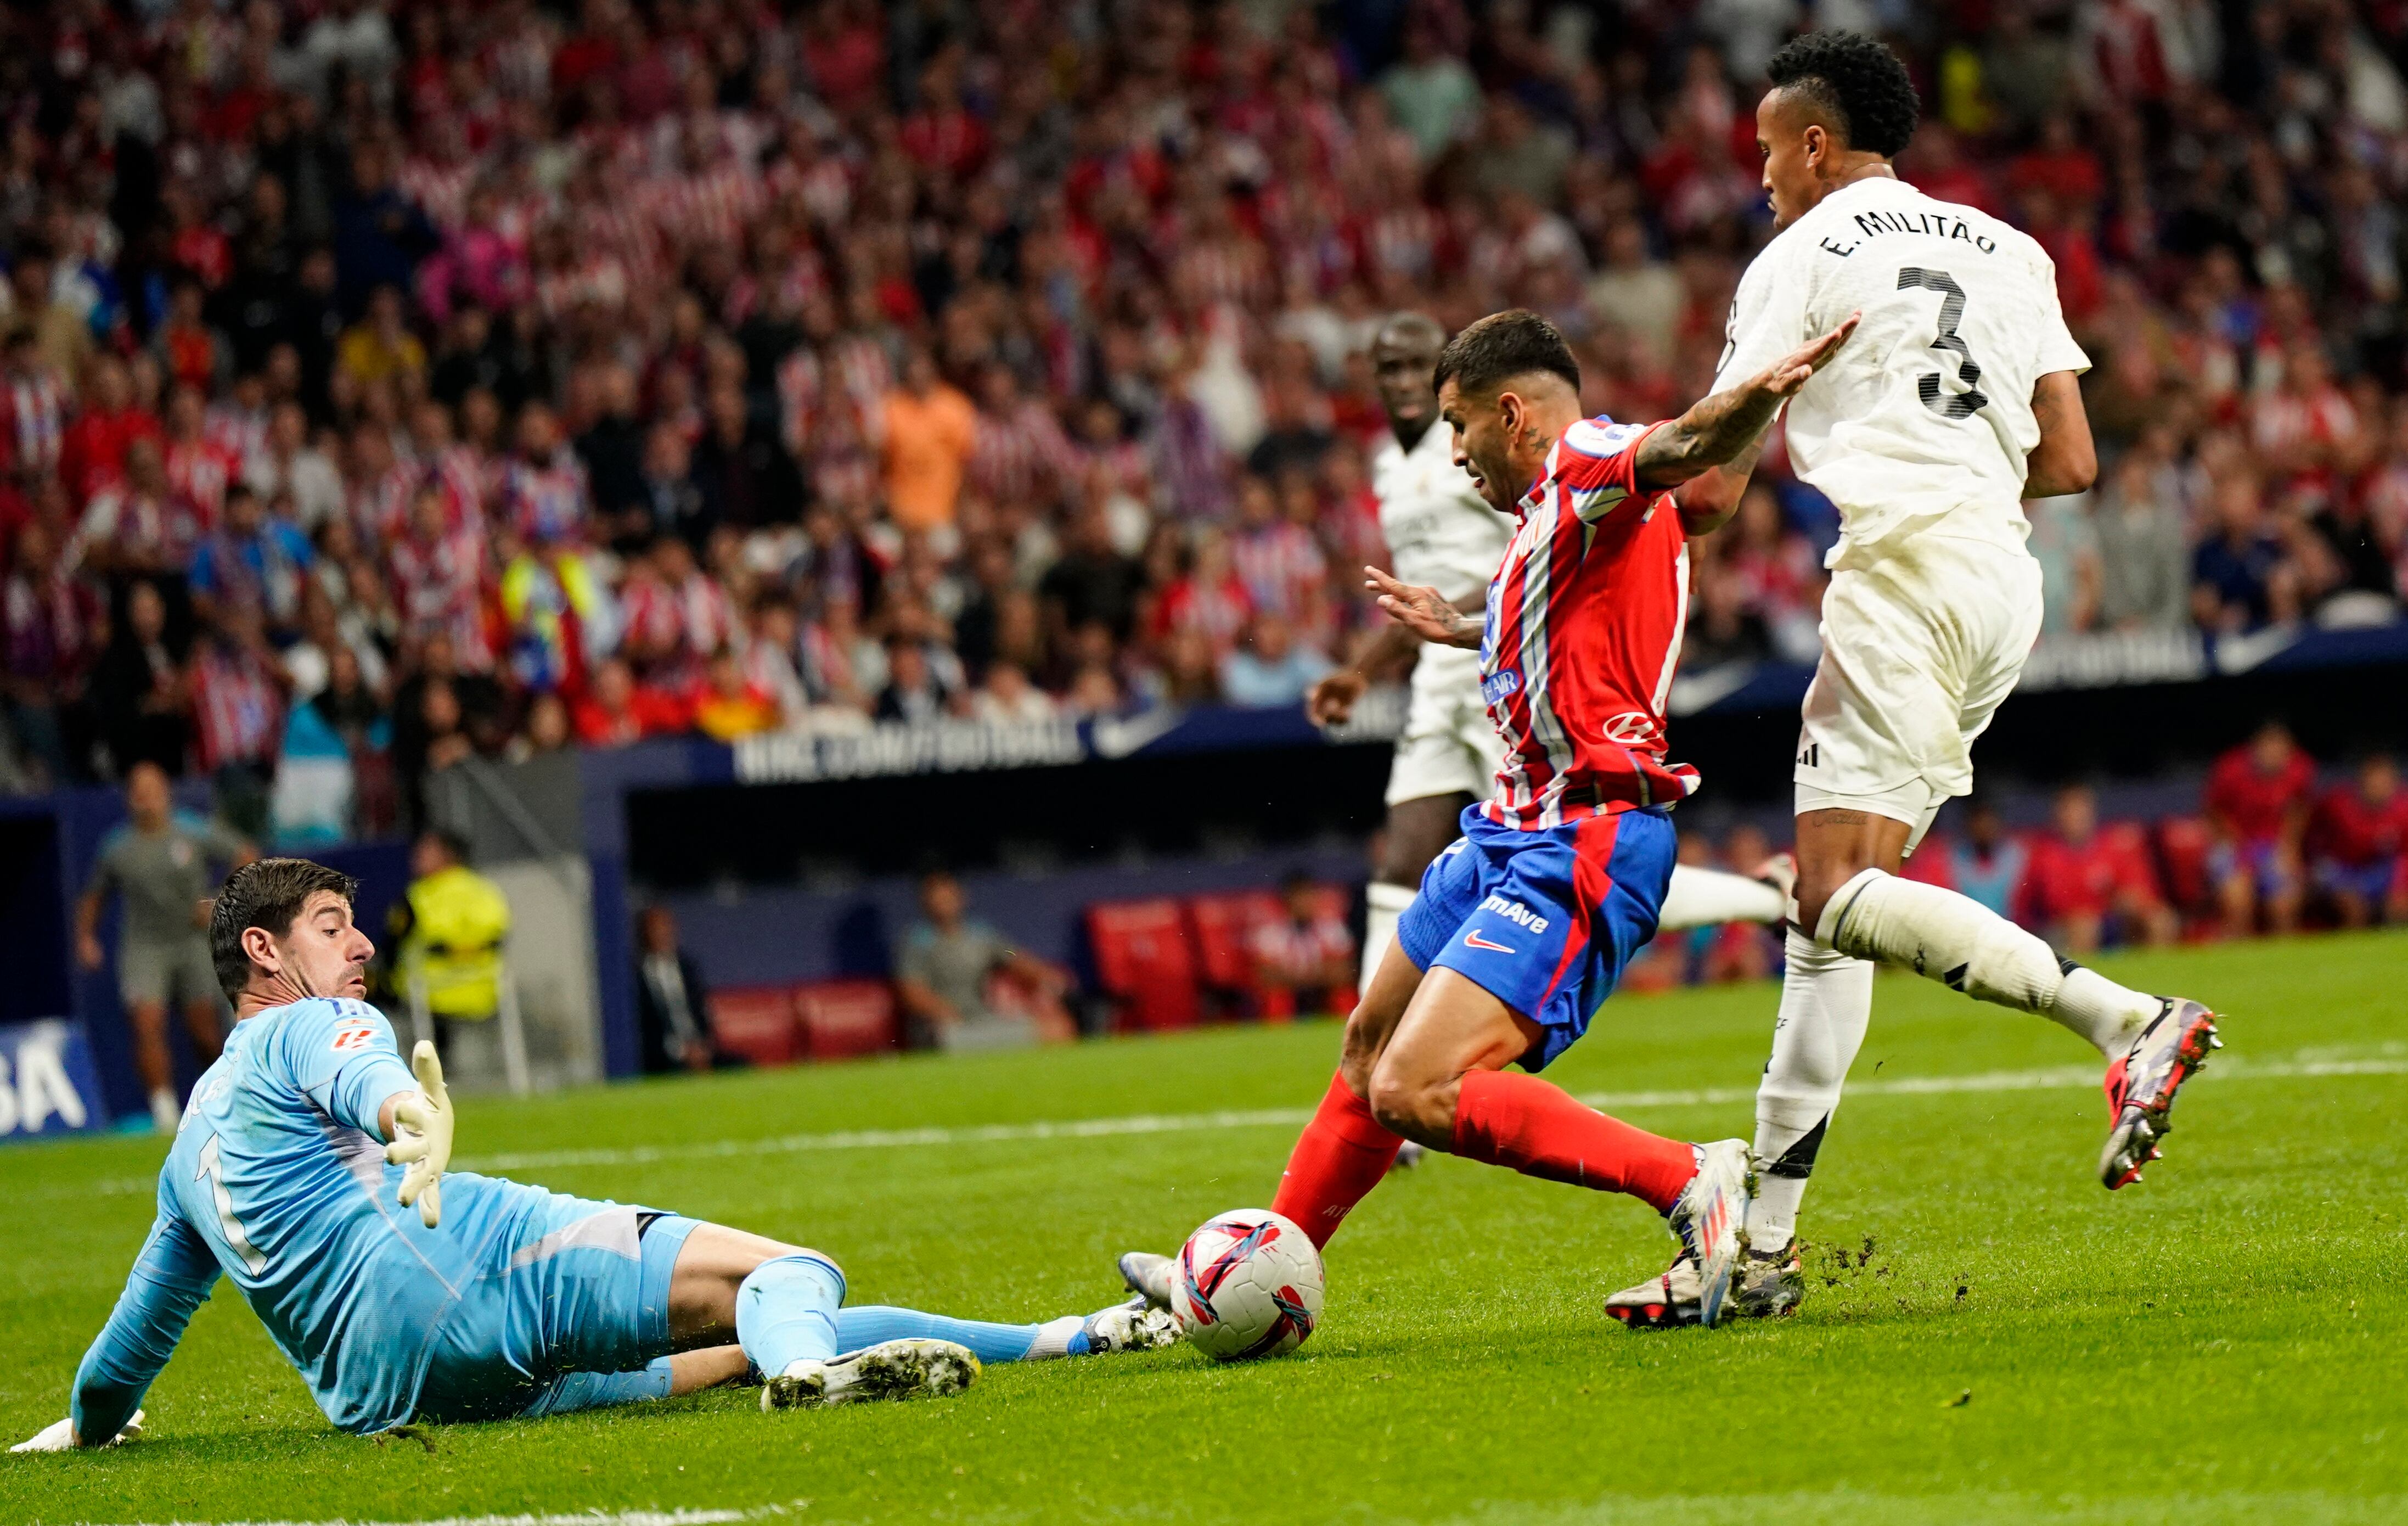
pixel 1425 611
pixel 1716 429
pixel 1330 702
pixel 2065 460
pixel 1707 500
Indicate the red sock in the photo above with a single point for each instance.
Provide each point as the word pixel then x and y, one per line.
pixel 1538 1129
pixel 1340 1156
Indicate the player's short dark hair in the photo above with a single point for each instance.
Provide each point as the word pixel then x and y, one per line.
pixel 1496 349
pixel 266 893
pixel 1856 79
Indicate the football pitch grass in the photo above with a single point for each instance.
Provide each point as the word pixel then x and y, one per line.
pixel 1990 1336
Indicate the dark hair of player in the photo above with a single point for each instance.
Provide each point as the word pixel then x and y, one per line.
pixel 266 893
pixel 1859 80
pixel 1494 350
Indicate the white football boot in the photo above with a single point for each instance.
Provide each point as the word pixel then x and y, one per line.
pixel 1763 1287
pixel 909 1369
pixel 1134 1325
pixel 2141 1086
pixel 1149 1275
pixel 1709 1219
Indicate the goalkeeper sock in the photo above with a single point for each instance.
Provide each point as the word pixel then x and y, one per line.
pixel 871 1323
pixel 786 1312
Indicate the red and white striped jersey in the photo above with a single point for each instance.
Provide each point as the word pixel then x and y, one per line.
pixel 1584 633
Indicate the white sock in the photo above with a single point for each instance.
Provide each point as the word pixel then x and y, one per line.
pixel 165 1114
pixel 2106 1014
pixel 1053 1338
pixel 1965 945
pixel 1827 1000
pixel 1382 904
pixel 1705 898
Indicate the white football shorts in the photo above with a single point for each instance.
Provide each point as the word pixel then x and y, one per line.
pixel 1921 642
pixel 1449 744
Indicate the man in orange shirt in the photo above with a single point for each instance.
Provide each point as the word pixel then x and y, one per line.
pixel 929 430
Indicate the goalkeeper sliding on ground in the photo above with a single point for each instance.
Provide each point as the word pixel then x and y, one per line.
pixel 310 1168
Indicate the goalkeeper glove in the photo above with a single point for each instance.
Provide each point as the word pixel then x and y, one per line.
pixel 423 1136
pixel 59 1437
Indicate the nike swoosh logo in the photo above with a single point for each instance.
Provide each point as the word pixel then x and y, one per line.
pixel 1117 738
pixel 1475 941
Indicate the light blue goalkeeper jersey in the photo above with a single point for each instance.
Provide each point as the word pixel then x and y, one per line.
pixel 277 1179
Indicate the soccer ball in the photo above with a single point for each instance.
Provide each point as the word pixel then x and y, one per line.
pixel 1248 1284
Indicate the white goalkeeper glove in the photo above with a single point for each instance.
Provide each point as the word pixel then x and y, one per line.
pixel 423 1136
pixel 59 1437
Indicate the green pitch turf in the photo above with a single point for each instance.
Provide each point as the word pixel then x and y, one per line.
pixel 1991 1337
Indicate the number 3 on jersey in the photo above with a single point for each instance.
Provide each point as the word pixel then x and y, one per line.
pixel 1956 405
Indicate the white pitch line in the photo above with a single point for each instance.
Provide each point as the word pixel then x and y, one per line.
pixel 2059 1077
pixel 590 1518
pixel 2055 1077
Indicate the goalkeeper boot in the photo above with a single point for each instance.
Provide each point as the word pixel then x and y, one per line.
pixel 1133 1326
pixel 2141 1086
pixel 1148 1276
pixel 911 1369
pixel 1709 1219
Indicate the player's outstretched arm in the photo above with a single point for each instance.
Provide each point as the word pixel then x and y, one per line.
pixel 2065 460
pixel 418 1124
pixel 171 1277
pixel 1425 611
pixel 1716 429
pixel 1707 501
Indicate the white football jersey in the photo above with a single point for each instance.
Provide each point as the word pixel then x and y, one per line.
pixel 1924 415
pixel 1440 532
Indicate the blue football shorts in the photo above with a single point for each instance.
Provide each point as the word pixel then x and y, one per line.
pixel 1544 921
pixel 569 1311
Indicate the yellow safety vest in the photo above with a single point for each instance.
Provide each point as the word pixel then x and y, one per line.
pixel 453 951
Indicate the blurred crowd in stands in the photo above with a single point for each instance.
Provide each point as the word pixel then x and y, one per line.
pixel 382 385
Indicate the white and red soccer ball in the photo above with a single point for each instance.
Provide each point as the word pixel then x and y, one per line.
pixel 1248 1284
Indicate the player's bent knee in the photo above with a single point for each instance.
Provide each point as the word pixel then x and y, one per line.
pixel 1417 1107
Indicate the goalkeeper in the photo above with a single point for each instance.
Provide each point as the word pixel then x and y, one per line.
pixel 308 1168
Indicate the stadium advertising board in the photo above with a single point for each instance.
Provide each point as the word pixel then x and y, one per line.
pixel 47 1083
pixel 972 746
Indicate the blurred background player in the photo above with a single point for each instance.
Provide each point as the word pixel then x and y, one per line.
pixel 2257 802
pixel 450 928
pixel 1304 957
pixel 1523 928
pixel 2358 836
pixel 672 1008
pixel 2083 886
pixel 965 986
pixel 160 865
pixel 1987 866
pixel 1442 534
pixel 1959 400
pixel 492 1299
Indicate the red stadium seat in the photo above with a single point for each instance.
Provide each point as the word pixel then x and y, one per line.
pixel 757 1022
pixel 841 1019
pixel 1144 962
pixel 1225 927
